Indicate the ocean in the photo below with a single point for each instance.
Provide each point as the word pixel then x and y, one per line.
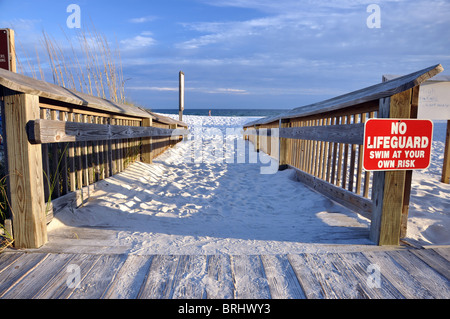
pixel 223 112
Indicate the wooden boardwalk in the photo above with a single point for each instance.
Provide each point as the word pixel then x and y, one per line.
pixel 384 273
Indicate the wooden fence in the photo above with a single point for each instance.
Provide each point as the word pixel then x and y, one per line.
pixel 58 142
pixel 323 143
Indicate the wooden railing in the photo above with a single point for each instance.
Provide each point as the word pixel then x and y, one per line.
pixel 323 143
pixel 58 142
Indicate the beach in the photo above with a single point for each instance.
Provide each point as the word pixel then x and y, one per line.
pixel 204 196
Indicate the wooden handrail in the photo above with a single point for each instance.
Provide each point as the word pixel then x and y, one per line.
pixel 371 93
pixel 57 94
pixel 344 133
pixel 323 142
pixel 54 131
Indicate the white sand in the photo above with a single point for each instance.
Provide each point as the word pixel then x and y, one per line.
pixel 182 206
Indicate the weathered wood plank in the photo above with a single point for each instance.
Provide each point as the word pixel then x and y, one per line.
pixel 6 259
pixel 306 278
pixel 187 282
pixel 19 268
pixel 219 279
pixel 283 283
pixel 435 261
pixel 159 283
pixel 98 279
pixel 343 133
pixel 249 278
pixel 321 278
pixel 435 283
pixel 130 278
pixel 400 278
pixel 360 270
pixel 32 283
pixel 402 274
pixel 63 283
pixel 50 131
pixel 444 252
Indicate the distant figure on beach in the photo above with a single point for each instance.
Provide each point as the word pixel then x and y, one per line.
pixel 209 112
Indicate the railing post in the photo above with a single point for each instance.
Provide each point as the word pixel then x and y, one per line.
pixel 146 155
pixel 26 181
pixel 282 153
pixel 257 138
pixel 389 186
pixel 446 166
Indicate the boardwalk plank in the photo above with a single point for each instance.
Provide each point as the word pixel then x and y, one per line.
pixel 444 252
pixel 325 279
pixel 31 284
pixel 306 278
pixel 401 279
pixel 159 283
pixel 436 284
pixel 219 280
pixel 403 274
pixel 19 268
pixel 130 278
pixel 58 286
pixel 283 282
pixel 249 278
pixel 435 261
pixel 6 259
pixel 188 279
pixel 358 269
pixel 98 279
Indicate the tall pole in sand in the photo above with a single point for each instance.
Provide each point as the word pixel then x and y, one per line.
pixel 181 95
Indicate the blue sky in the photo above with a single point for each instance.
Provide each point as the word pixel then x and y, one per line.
pixel 247 53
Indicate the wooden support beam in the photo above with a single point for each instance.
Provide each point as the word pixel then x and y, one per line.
pixel 446 166
pixel 49 131
pixel 389 186
pixel 257 139
pixel 358 203
pixel 26 181
pixel 146 153
pixel 283 145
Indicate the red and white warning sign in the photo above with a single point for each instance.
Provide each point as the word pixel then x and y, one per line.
pixel 397 144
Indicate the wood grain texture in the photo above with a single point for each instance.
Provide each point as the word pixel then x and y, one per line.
pixel 26 178
pixel 400 273
pixel 346 133
pixel 389 186
pixel 51 131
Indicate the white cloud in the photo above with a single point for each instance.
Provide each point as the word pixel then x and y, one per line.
pixel 152 88
pixel 142 19
pixel 226 91
pixel 137 42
